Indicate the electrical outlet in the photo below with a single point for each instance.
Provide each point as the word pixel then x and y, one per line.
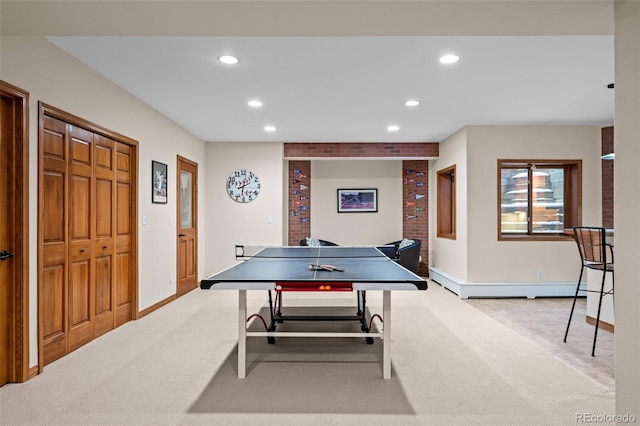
pixel 170 278
pixel 539 274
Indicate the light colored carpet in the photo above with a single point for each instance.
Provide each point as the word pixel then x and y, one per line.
pixel 544 320
pixel 452 365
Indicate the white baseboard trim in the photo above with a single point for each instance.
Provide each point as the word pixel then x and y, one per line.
pixel 466 290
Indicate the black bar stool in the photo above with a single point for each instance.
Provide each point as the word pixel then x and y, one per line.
pixel 592 246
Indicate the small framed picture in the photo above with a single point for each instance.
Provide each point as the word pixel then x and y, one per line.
pixel 158 182
pixel 357 200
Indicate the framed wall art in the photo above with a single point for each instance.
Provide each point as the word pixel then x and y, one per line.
pixel 158 182
pixel 357 200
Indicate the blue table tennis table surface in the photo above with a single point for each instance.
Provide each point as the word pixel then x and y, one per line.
pixel 287 269
pixel 367 266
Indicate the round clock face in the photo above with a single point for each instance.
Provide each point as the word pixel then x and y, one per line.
pixel 243 186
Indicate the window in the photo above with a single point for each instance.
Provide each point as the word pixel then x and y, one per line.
pixel 447 203
pixel 538 199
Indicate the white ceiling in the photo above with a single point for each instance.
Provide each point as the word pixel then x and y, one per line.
pixel 349 89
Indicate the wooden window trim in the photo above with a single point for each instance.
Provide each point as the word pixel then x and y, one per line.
pixel 446 203
pixel 572 200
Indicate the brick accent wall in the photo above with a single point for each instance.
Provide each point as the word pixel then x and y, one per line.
pixel 415 184
pixel 355 150
pixel 607 178
pixel 299 201
pixel 415 207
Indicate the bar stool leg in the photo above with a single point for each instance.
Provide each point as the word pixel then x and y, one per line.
pixel 386 334
pixel 573 306
pixel 595 334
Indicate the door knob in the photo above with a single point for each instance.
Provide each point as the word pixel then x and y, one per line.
pixel 4 255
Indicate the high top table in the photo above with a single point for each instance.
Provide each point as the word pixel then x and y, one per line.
pixel 316 269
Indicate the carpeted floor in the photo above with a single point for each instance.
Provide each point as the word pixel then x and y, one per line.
pixel 543 321
pixel 451 365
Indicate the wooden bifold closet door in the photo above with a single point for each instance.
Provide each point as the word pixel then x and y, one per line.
pixel 85 198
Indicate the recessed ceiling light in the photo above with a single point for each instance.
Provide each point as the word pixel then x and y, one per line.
pixel 255 103
pixel 449 59
pixel 393 128
pixel 228 59
pixel 269 128
pixel 412 103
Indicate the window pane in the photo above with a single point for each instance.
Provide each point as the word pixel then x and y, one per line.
pixel 186 202
pixel 548 200
pixel 539 199
pixel 514 201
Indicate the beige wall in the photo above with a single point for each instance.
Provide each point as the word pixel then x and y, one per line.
pixel 446 254
pixel 491 260
pixel 228 222
pixel 310 18
pixel 356 228
pixel 477 256
pixel 627 207
pixel 52 76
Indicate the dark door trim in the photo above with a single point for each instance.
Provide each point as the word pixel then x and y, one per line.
pixel 19 319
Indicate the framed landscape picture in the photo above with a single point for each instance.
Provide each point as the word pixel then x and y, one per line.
pixel 158 183
pixel 357 200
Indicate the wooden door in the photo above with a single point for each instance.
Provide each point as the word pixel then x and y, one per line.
pixel 125 259
pixel 6 237
pixel 88 263
pixel 14 234
pixel 187 225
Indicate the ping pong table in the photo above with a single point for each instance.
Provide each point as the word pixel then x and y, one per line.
pixel 315 269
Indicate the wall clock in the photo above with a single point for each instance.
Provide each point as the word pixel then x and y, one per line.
pixel 243 186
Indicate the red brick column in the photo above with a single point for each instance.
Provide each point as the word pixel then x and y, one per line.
pixel 415 207
pixel 299 201
pixel 607 178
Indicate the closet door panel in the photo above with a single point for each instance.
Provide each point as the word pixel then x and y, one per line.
pixel 81 233
pixel 53 235
pixel 53 313
pixel 104 240
pixel 124 234
pixel 80 314
pixel 104 312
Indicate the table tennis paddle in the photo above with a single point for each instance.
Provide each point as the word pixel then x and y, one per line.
pixel 330 268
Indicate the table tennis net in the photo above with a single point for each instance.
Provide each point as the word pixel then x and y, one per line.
pixel 245 252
